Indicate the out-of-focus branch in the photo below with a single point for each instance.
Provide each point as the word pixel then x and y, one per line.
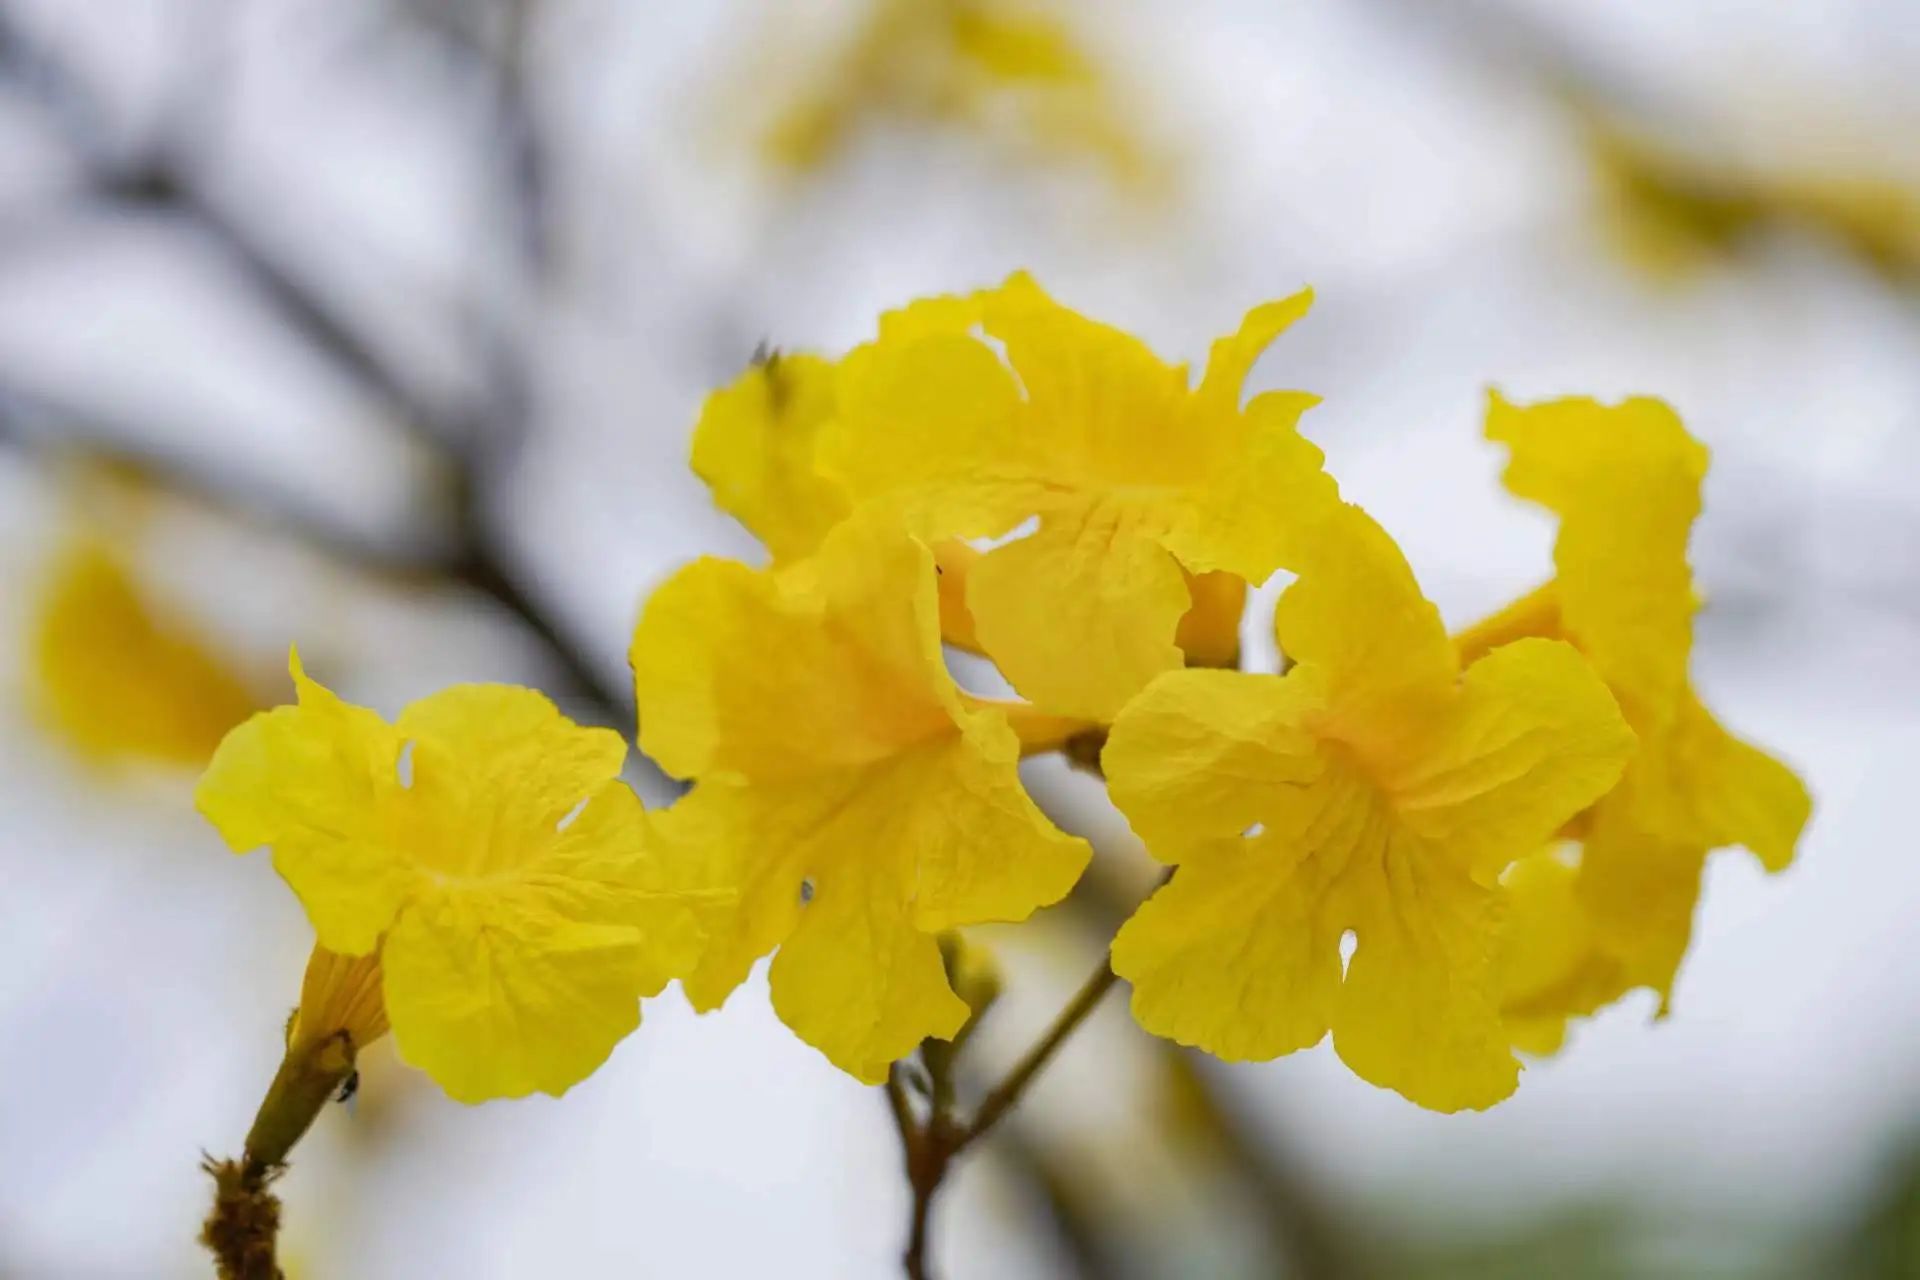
pixel 467 443
pixel 467 560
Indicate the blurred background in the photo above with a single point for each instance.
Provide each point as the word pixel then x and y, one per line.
pixel 380 325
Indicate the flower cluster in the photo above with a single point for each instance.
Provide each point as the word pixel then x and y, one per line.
pixel 1436 848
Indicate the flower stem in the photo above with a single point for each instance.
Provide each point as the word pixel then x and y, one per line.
pixel 242 1229
pixel 930 1145
pixel 1000 1101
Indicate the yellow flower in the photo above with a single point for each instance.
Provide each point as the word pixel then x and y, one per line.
pixel 1625 482
pixel 1376 789
pixel 484 846
pixel 858 802
pixel 117 677
pixel 757 446
pixel 1138 482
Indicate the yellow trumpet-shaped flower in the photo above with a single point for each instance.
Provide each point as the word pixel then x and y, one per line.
pixel 1625 482
pixel 1138 482
pixel 856 800
pixel 1376 789
pixel 116 676
pixel 483 845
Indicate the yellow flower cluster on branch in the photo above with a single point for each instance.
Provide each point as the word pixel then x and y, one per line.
pixel 1374 844
pixel 1435 849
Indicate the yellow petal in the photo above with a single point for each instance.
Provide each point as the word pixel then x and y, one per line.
pixel 1259 509
pixel 1099 404
pixel 318 782
pixel 498 996
pixel 1193 757
pixel 953 561
pixel 857 981
pixel 1244 966
pixel 1420 1010
pixel 1081 614
pixel 1552 963
pixel 1638 892
pixel 754 446
pixel 835 662
pixel 1356 617
pixel 931 425
pixel 744 835
pixel 1532 738
pixel 1233 358
pixel 939 836
pixel 501 985
pixel 114 676
pixel 1536 614
pixel 1703 785
pixel 1209 632
pixel 1625 481
pixel 494 769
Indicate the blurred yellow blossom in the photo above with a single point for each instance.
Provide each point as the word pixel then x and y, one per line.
pixel 856 799
pixel 117 676
pixel 484 847
pixel 1625 481
pixel 1137 482
pixel 1671 212
pixel 1377 789
pixel 1008 72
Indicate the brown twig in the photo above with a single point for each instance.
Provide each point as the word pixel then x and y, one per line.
pixel 931 1145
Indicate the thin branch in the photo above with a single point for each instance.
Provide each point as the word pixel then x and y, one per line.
pixel 472 563
pixel 931 1145
pixel 1011 1089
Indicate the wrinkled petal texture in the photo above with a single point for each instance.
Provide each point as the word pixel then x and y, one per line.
pixel 843 793
pixel 1329 801
pixel 1137 482
pixel 1082 612
pixel 754 446
pixel 486 846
